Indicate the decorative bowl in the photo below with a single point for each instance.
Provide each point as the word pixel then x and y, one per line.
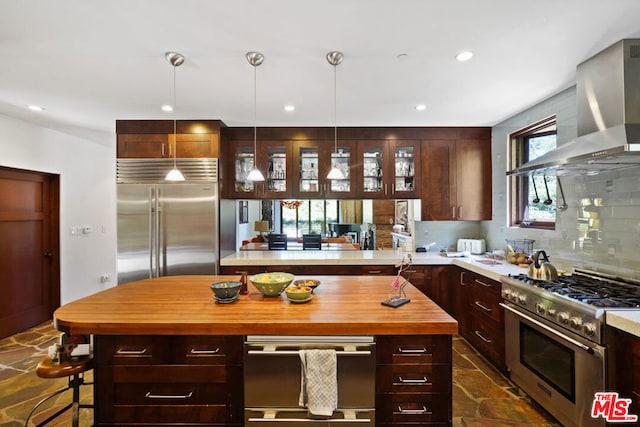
pixel 313 284
pixel 271 284
pixel 298 292
pixel 225 290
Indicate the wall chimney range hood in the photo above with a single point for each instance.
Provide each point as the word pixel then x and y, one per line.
pixel 608 117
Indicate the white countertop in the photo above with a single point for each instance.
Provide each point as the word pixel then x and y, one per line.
pixel 472 263
pixel 625 320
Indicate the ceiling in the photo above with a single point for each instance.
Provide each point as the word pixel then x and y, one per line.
pixel 90 62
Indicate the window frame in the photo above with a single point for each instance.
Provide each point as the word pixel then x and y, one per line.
pixel 518 186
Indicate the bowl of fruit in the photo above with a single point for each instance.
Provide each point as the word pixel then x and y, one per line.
pixel 298 293
pixel 310 283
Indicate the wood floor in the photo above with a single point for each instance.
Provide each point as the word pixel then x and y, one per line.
pixel 482 397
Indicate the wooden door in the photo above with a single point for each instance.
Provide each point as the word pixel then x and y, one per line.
pixel 29 249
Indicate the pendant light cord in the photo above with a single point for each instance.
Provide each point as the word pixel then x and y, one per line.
pixel 335 108
pixel 255 116
pixel 175 137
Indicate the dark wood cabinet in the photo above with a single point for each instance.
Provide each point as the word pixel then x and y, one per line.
pixel 312 161
pixel 194 146
pixel 274 160
pixel 413 380
pixel 140 146
pixel 319 270
pixel 624 366
pixel 156 139
pixel 195 380
pixel 389 169
pixel 484 325
pixel 456 176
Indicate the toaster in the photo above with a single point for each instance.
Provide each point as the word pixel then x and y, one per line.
pixel 475 246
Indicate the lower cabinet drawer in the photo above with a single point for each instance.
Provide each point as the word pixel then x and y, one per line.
pixel 412 378
pixel 168 414
pixel 403 408
pixel 487 336
pixel 412 349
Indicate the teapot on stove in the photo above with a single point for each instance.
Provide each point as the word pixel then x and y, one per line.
pixel 542 270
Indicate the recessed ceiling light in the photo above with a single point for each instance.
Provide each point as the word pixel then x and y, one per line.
pixel 35 108
pixel 167 108
pixel 464 56
pixel 421 107
pixel 289 108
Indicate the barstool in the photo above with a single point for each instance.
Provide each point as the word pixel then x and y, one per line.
pixel 74 370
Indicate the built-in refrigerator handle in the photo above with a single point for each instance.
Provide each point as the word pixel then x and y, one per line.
pixel 151 233
pixel 159 233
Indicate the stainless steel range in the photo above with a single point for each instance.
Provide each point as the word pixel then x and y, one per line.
pixel 554 338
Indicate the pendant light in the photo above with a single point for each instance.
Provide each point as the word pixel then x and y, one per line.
pixel 335 58
pixel 255 59
pixel 176 60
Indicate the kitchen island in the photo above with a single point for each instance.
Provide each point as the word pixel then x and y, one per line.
pixel 166 352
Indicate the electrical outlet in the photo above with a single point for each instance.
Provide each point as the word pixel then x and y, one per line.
pixel 105 278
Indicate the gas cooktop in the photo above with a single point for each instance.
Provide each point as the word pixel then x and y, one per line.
pixel 599 292
pixel 577 303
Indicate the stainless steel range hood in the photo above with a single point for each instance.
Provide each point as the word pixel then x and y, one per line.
pixel 608 98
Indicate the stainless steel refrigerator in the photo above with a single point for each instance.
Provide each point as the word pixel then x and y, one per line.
pixel 166 229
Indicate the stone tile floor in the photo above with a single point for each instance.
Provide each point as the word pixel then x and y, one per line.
pixel 482 397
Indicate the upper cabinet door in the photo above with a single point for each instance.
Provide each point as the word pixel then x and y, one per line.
pixel 343 159
pixel 143 145
pixel 389 169
pixel 276 164
pixel 438 180
pixel 374 172
pixel 456 180
pixel 194 145
pixel 312 161
pixel 406 169
pixel 473 177
pixel 239 163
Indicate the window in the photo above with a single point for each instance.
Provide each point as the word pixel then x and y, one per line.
pixel 532 198
pixel 309 216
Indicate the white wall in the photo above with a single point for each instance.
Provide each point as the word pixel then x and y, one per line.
pixel 87 198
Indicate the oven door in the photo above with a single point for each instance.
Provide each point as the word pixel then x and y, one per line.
pixel 558 369
pixel 272 372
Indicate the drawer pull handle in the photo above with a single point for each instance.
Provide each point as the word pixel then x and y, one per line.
pixel 296 352
pixel 374 271
pixel 487 309
pixel 131 352
pixel 424 410
pixel 422 380
pixel 412 350
pixel 195 351
pixel 487 340
pixel 168 396
pixel 486 285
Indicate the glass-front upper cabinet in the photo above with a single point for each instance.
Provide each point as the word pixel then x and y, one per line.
pixel 277 160
pixel 273 160
pixel 389 168
pixel 406 180
pixel 241 165
pixel 311 164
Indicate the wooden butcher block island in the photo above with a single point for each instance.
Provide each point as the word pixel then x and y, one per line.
pixel 167 353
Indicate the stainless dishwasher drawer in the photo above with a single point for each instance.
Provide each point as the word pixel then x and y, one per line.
pixel 272 371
